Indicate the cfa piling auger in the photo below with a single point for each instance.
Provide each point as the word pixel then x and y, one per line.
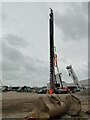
pixel 51 106
pixel 53 61
pixel 52 70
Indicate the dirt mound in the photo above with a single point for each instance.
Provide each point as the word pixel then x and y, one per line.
pixel 85 92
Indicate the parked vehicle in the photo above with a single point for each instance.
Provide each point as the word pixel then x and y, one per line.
pixel 24 89
pixel 42 91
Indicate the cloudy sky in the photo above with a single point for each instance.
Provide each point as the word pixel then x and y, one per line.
pixel 25 41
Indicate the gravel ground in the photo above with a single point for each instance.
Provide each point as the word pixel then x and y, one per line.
pixel 18 105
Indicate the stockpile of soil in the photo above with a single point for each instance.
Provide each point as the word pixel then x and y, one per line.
pixel 85 92
pixel 84 96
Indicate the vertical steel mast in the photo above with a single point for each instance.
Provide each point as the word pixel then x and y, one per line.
pixel 51 51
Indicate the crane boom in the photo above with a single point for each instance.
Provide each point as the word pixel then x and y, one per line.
pixel 73 76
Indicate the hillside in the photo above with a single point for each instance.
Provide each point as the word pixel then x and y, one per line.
pixel 85 82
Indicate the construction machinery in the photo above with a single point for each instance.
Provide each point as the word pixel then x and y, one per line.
pixel 58 73
pixel 52 70
pixel 59 88
pixel 53 62
pixel 74 77
pixel 51 106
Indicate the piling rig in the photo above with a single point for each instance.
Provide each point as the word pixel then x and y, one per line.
pixel 53 60
pixel 52 70
pixel 51 106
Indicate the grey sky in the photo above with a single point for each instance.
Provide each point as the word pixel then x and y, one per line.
pixel 25 45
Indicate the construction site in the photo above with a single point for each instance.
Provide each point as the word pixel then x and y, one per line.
pixel 55 101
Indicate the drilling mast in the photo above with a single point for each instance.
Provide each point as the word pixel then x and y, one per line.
pixel 52 71
pixel 53 60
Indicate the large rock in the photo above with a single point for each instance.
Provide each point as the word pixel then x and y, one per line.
pixel 73 105
pixel 51 106
pixel 48 107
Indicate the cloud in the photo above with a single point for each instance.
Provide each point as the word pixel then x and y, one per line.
pixel 26 36
pixel 15 40
pixel 18 68
pixel 73 23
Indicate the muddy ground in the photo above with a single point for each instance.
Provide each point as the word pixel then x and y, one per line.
pixel 18 105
